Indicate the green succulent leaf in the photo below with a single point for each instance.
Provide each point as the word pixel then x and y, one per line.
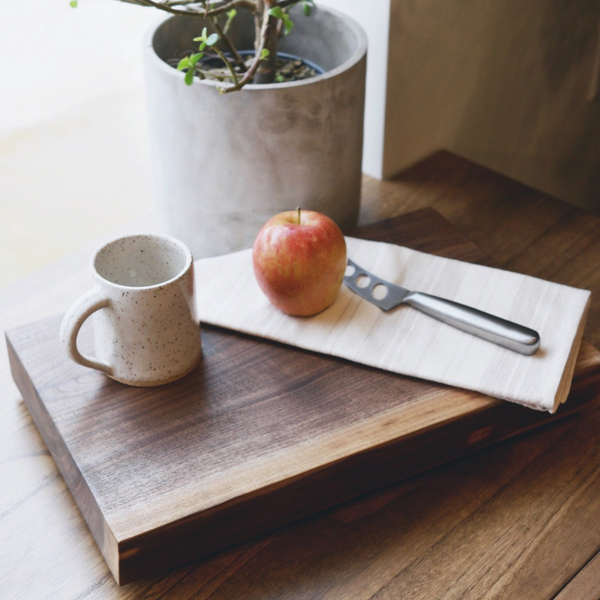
pixel 184 63
pixel 202 46
pixel 230 14
pixel 306 9
pixel 73 4
pixel 277 12
pixel 264 53
pixel 279 78
pixel 204 33
pixel 195 58
pixel 212 39
pixel 189 77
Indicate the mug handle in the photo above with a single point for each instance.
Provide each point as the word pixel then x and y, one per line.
pixel 71 324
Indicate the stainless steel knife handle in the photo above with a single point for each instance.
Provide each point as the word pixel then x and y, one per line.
pixel 494 329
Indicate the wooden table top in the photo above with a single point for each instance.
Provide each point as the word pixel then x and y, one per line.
pixel 518 520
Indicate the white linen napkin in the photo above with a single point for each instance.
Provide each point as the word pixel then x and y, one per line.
pixel 404 340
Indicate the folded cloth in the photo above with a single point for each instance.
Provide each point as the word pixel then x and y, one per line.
pixel 406 341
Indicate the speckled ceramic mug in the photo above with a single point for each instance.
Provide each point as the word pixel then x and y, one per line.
pixel 146 327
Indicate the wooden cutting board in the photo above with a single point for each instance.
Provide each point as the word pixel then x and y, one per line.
pixel 259 435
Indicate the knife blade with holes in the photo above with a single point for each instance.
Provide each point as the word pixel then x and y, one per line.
pixel 471 320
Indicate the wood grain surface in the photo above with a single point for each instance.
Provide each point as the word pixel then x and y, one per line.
pixel 517 520
pixel 586 584
pixel 259 435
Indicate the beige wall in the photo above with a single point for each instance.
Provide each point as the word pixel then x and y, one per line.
pixel 503 82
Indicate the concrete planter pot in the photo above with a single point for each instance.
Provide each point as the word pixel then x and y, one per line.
pixel 224 164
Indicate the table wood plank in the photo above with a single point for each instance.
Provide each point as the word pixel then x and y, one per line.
pixel 530 506
pixel 585 585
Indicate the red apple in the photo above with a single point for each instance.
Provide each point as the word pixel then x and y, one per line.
pixel 299 261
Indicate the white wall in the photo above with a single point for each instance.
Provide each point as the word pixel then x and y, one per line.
pixel 374 16
pixel 56 57
pixel 74 162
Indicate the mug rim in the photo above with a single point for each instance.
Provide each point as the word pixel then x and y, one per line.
pixel 189 259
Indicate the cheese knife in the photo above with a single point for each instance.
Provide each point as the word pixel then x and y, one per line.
pixel 476 322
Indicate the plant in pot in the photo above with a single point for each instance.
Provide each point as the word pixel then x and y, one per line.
pixel 271 118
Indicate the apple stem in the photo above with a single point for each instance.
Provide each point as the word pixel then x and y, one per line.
pixel 299 211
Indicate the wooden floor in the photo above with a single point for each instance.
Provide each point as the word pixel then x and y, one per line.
pixel 519 520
